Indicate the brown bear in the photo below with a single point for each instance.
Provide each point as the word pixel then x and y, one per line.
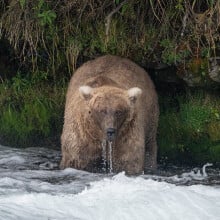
pixel 110 100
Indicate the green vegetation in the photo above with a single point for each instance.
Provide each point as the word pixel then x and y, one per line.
pixel 31 111
pixel 189 132
pixel 58 35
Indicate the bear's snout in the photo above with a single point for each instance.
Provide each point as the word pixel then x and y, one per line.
pixel 111 133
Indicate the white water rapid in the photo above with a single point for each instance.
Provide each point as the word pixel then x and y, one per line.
pixel 32 187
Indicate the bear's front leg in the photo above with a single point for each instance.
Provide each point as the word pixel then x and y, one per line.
pixel 71 159
pixel 72 152
pixel 151 155
pixel 129 157
pixel 79 154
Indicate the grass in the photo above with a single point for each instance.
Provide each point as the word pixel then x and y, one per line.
pixel 31 111
pixel 51 35
pixel 184 135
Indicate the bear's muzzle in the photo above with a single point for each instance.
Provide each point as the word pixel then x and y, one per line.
pixel 111 134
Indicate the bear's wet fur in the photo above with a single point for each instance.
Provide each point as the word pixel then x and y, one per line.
pixel 110 98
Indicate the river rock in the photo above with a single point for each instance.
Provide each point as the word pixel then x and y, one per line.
pixel 214 69
pixel 200 72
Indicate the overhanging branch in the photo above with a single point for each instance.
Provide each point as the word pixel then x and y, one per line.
pixel 109 17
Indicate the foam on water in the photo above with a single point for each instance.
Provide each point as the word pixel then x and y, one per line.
pixel 48 193
pixel 12 160
pixel 119 197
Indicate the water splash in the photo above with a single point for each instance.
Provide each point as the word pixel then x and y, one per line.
pixel 204 167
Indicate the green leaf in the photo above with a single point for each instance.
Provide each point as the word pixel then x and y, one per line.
pixel 40 4
pixel 22 3
pixel 47 17
pixel 217 115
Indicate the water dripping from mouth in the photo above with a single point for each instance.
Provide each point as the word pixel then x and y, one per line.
pixel 110 157
pixel 107 158
pixel 104 156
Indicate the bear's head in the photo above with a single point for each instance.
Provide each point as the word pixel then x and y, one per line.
pixel 110 107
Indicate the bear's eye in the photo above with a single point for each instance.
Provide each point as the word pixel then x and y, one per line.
pixel 118 113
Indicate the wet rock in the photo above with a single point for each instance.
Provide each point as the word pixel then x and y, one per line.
pixel 195 72
pixel 214 68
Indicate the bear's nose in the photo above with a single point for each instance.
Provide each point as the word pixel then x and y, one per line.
pixel 111 134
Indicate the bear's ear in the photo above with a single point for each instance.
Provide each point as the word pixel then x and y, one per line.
pixel 133 93
pixel 86 92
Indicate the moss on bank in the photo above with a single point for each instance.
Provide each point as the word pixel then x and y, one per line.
pixel 31 111
pixel 188 133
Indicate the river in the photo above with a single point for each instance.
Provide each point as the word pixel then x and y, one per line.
pixel 32 187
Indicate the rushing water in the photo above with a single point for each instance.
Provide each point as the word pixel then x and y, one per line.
pixel 32 187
